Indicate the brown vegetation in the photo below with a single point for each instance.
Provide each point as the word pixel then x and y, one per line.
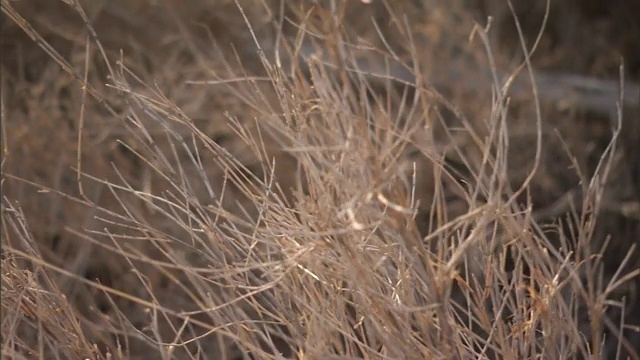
pixel 260 179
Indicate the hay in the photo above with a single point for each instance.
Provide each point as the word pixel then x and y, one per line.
pixel 266 179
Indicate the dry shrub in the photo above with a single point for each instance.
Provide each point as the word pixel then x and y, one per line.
pixel 299 188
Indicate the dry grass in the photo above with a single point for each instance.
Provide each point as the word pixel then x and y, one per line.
pixel 255 180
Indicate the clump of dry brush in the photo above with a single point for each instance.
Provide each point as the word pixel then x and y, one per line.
pixel 326 211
